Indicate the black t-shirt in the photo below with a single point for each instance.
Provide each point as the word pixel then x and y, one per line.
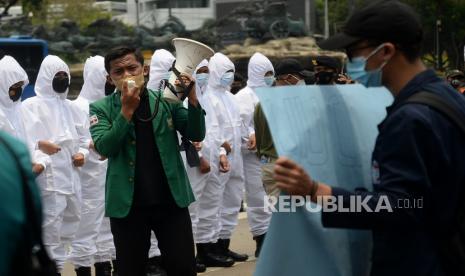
pixel 151 185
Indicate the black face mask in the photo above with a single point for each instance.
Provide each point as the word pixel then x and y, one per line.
pixel 109 88
pixel 324 77
pixel 60 84
pixel 17 92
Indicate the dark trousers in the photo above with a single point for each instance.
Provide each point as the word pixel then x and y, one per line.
pixel 172 226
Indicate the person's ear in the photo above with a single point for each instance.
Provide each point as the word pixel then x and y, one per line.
pixel 146 70
pixel 389 50
pixel 109 80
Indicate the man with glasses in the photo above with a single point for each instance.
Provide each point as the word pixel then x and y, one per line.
pixel 415 155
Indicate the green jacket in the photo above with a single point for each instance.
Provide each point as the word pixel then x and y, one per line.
pixel 114 137
pixel 14 225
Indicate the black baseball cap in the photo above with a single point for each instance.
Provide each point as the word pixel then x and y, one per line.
pixel 384 21
pixel 291 66
pixel 327 61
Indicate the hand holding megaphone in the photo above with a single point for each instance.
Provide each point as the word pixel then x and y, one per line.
pixel 186 81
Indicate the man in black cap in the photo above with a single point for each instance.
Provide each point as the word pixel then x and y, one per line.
pixel 288 72
pixel 328 71
pixel 416 153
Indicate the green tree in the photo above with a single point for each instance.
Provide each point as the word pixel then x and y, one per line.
pixel 451 13
pixel 82 12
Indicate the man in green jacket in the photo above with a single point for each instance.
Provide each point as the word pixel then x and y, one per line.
pixel 147 187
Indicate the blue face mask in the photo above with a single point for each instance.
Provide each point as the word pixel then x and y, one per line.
pixel 202 79
pixel 269 80
pixel 356 70
pixel 227 79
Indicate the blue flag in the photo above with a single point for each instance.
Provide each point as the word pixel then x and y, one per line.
pixel 331 132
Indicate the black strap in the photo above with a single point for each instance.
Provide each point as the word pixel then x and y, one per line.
pixel 451 246
pixel 441 105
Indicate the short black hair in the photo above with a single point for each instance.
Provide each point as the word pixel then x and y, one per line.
pixel 121 51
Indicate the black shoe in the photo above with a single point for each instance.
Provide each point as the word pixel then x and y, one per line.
pixel 200 267
pixel 83 271
pixel 207 255
pixel 259 240
pixel 102 269
pixel 223 245
pixel 154 267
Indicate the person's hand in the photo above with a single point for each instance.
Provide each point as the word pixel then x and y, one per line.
pixel 344 79
pixel 37 168
pixel 48 147
pixel 197 145
pixel 192 95
pixel 292 178
pixel 130 99
pixel 252 143
pixel 224 164
pixel 204 165
pixel 78 160
pixel 227 147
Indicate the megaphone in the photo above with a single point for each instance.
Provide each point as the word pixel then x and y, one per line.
pixel 189 53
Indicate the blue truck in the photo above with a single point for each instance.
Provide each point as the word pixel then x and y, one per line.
pixel 29 52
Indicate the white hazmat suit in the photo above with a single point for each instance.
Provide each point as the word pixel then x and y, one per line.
pixel 10 112
pixel 85 248
pixel 227 113
pixel 47 116
pixel 258 218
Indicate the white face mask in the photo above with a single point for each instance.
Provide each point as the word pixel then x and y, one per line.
pixel 227 79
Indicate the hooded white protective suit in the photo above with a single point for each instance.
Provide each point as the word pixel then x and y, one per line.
pixel 204 211
pixel 160 65
pixel 258 219
pixel 92 174
pixel 47 116
pixel 227 112
pixel 10 112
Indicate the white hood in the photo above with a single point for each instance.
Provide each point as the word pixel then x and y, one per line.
pixel 10 117
pixel 95 77
pixel 10 73
pixel 258 66
pixel 161 63
pixel 218 65
pixel 223 102
pixel 200 90
pixel 48 69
